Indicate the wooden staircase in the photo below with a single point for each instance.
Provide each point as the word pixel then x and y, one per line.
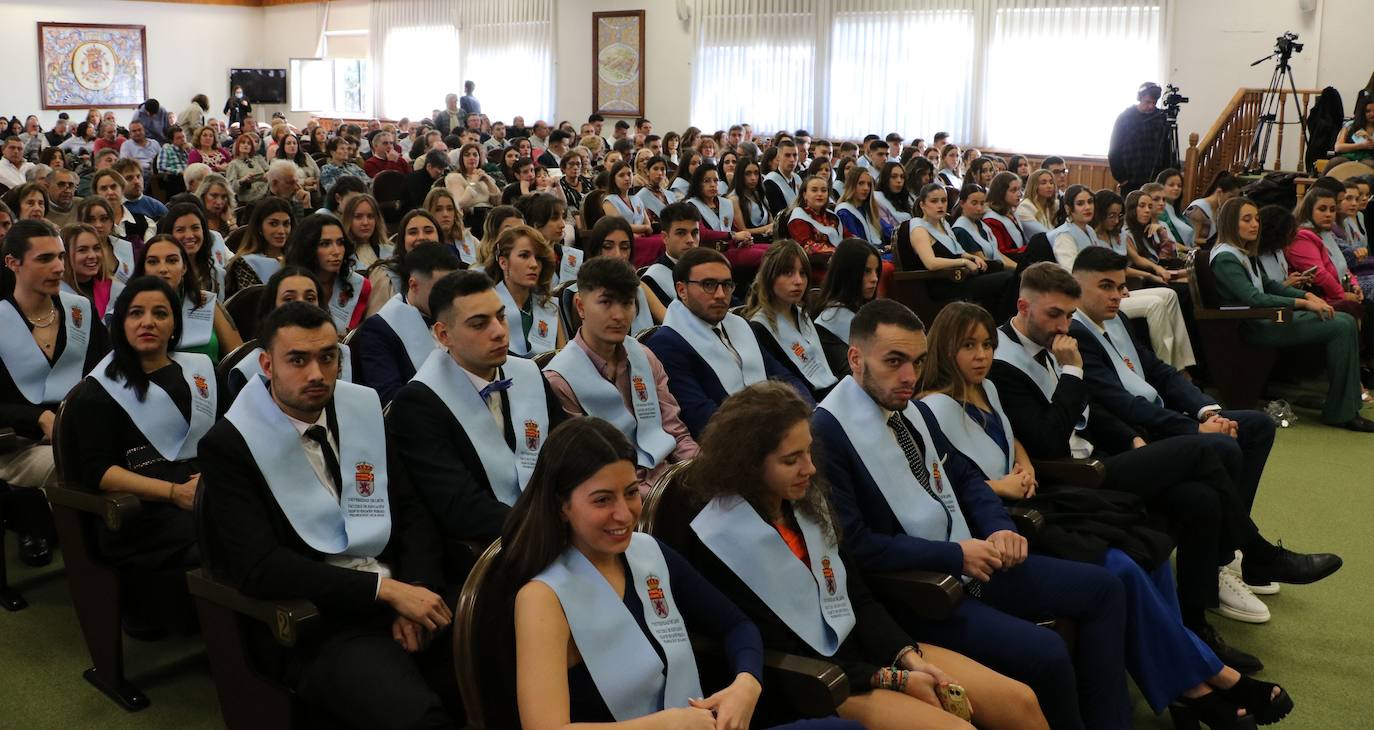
pixel 1227 144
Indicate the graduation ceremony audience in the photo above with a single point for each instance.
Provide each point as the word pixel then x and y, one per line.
pixel 435 338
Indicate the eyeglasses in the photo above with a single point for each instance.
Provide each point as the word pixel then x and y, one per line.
pixel 1056 171
pixel 711 285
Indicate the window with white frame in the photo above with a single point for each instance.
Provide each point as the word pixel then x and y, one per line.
pixel 332 86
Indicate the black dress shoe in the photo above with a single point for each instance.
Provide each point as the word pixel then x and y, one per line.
pixel 34 551
pixel 1359 423
pixel 1289 567
pixel 1229 655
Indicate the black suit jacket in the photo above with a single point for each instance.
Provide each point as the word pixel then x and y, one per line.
pixel 1182 399
pixel 1044 426
pixel 665 298
pixel 417 185
pixel 380 359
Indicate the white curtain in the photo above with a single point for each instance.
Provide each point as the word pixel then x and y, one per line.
pixel 414 46
pixel 508 51
pixel 755 63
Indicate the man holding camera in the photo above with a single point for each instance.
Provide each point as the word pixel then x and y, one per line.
pixel 1138 150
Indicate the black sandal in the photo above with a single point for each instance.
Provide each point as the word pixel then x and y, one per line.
pixel 1258 699
pixel 1212 709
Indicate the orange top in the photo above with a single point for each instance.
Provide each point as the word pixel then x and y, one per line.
pixel 795 542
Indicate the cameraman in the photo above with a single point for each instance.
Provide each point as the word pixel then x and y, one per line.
pixel 1138 149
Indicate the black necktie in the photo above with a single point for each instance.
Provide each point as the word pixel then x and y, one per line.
pixel 321 437
pixel 914 458
pixel 1043 357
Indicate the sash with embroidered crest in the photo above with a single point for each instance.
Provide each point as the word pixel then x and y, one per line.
pixel 969 438
pixel 570 262
pixel 921 514
pixel 157 416
pixel 898 217
pixel 1012 353
pixel 124 259
pixel 632 211
pixel 837 319
pixel 197 323
pixel 720 219
pixel 790 188
pixel 732 377
pixel 832 233
pixel 342 304
pixel 661 275
pixel 813 600
pixel 358 523
pixel 1124 356
pixel 38 380
pixel 466 248
pixel 409 325
pixel 801 345
pixel 219 252
pixel 680 186
pixel 643 425
pixel 866 227
pixel 543 335
pixel 622 662
pixel 507 472
pixel 651 202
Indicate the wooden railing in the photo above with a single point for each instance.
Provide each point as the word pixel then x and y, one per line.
pixel 1226 146
pixel 1091 171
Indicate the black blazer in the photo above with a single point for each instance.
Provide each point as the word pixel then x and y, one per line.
pixel 1044 426
pixel 665 298
pixel 380 359
pixel 16 411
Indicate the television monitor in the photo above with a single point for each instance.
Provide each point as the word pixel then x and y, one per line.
pixel 260 85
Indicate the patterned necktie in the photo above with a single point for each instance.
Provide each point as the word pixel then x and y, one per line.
pixel 914 458
pixel 725 340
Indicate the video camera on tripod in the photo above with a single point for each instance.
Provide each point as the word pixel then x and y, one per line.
pixel 1272 98
pixel 1173 100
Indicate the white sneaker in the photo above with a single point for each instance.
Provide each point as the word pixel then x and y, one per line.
pixel 1237 602
pixel 1267 589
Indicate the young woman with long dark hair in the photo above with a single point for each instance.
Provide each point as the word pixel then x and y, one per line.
pixel 320 246
pixel 263 248
pixel 205 326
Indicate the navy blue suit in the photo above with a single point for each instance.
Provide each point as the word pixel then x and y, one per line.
pixel 380 360
pixel 694 384
pixel 996 629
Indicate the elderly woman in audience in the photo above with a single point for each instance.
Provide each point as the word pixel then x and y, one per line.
pixel 29 201
pixel 776 309
pixel 810 222
pixel 128 225
pixel 452 233
pixel 384 277
pixel 573 185
pixel 522 269
pixel 85 270
pixel 262 250
pixel 134 427
pixel 217 195
pixel 760 505
pixel 319 245
pixel 362 221
pixel 205 326
pixel 1039 209
pixel 936 248
pixel 247 171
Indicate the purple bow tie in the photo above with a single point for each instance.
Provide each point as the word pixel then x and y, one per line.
pixel 494 387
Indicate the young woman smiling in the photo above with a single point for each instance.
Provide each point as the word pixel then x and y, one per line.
pixel 263 248
pixel 85 272
pixel 205 326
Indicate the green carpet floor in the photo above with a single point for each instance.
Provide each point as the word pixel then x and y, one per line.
pixel 1316 495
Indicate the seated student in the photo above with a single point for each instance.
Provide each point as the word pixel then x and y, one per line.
pixel 186 222
pixel 393 343
pixel 1315 246
pixel 574 661
pixel 606 373
pixel 452 233
pixel 128 225
pixel 470 424
pixel 362 222
pixel 203 327
pixel 1180 231
pixel 949 174
pixel 431 167
pixel 907 501
pixel 416 227
pixel 760 508
pixel 859 212
pixel 654 194
pixel 1147 243
pixel 932 240
pixel 681 232
pixel 851 281
pixel 1109 225
pixel 289 284
pixel 1239 283
pixel 289 521
pixel 84 272
pixel 1157 305
pixel 811 223
pixel 619 202
pixel 137 433
pixel 1355 142
pixel 318 244
pixel 1278 231
pixel 262 250
pixel 682 181
pixel 611 237
pixel 1201 213
pixel 52 339
pixel 1169 663
pixel 1037 370
pixel 707 352
pixel 522 184
pixel 718 212
pixel 116 254
pixel 973 236
pixel 782 186
pixel 1038 211
pixel 522 269
pixel 891 195
pixel 776 312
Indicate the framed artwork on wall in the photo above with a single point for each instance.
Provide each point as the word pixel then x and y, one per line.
pixel 85 65
pixel 618 63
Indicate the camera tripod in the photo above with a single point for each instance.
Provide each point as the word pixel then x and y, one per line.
pixel 1270 102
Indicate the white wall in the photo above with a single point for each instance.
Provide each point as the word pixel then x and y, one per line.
pixel 190 49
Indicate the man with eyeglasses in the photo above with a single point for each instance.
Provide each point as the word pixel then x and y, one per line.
pixel 1059 170
pixel 707 352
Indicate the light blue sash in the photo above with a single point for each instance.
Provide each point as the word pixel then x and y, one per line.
pixel 950 178
pixel 680 186
pixel 197 323
pixel 865 424
pixel 722 220
pixel 1273 264
pixel 37 380
pixel 898 216
pixel 1083 239
pixel 467 248
pixel 632 211
pixel 602 399
pixel 543 333
pixel 837 319
pixel 985 244
pixel 813 600
pixel 1206 208
pixel 755 214
pixel 250 368
pixel 263 266
pixel 790 188
pixel 1012 353
pixel 570 263
pixel 124 257
pixel 651 203
pixel 832 233
pixel 1333 249
pixel 874 237
pixel 627 671
pixel 157 416
pixel 1245 263
pixel 944 236
pixel 341 306
pixel 1013 227
pixel 359 522
pixel 219 252
pixel 802 346
pixel 409 326
pixel 1122 347
pixel 969 438
pixel 1117 245
pixel 733 378
pixel 663 276
pixel 506 471
pixel 1179 226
